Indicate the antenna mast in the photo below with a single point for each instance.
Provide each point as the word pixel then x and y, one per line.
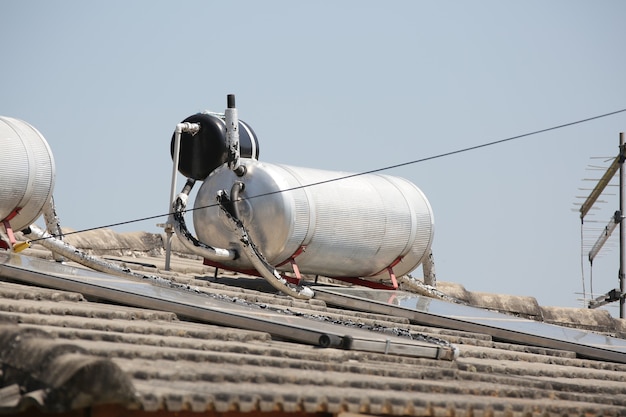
pixel 618 218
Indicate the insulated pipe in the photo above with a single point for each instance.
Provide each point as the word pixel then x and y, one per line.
pixel 232 136
pixel 186 127
pixel 72 253
pixel 248 248
pixel 411 284
pixel 192 128
pixel 53 224
pixel 263 267
pixel 428 265
pixel 185 236
pixel 237 187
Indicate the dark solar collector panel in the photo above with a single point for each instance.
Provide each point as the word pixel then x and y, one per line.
pixel 431 312
pixel 150 294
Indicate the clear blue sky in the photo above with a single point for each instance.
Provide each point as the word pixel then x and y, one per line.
pixel 341 85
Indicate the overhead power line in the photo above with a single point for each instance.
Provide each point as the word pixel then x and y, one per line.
pixel 373 171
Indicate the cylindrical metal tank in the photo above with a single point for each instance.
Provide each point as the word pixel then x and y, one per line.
pixel 356 226
pixel 27 171
pixel 206 150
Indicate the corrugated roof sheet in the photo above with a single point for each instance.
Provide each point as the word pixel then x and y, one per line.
pixel 60 352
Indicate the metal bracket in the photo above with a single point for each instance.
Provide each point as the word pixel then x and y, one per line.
pixel 294 266
pixel 609 297
pixel 9 230
pixel 392 275
pixel 394 282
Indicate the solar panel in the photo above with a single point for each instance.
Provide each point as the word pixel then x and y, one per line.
pixel 432 312
pixel 160 295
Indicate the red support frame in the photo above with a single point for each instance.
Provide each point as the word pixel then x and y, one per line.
pixel 296 270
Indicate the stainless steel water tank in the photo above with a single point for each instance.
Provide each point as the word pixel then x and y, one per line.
pixel 352 227
pixel 27 171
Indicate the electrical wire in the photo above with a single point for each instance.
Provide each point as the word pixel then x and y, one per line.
pixel 373 171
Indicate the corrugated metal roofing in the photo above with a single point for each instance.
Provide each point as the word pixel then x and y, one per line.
pixel 60 351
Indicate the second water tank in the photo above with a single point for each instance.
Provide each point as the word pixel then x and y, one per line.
pixel 349 226
pixel 27 170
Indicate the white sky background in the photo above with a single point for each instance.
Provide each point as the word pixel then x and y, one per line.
pixel 341 85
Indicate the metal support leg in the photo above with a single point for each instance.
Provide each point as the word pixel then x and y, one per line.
pixel 430 277
pixel 9 230
pixel 622 227
pixel 394 281
pixel 296 270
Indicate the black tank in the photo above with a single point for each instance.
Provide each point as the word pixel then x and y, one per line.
pixel 205 151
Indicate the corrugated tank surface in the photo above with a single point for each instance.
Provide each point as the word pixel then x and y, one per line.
pixel 27 171
pixel 350 225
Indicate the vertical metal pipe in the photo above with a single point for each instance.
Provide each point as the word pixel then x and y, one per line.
pixel 176 159
pixel 428 265
pixel 53 224
pixel 192 128
pixel 622 226
pixel 231 119
pixel 169 230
